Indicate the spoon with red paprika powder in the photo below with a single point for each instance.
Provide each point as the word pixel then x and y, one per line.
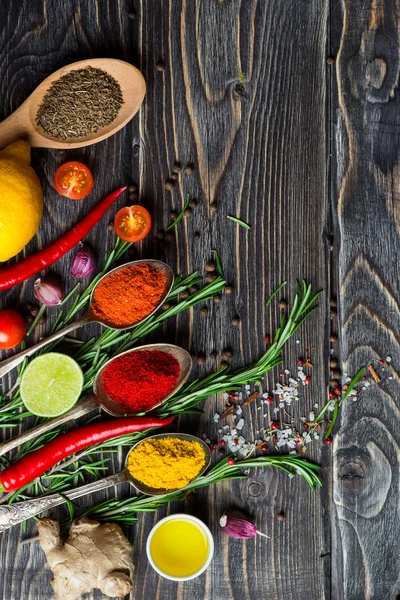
pixel 121 299
pixel 132 383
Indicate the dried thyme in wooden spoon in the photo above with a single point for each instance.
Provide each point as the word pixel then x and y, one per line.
pixel 80 103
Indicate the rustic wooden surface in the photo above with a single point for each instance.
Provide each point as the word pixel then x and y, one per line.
pixel 366 524
pixel 307 153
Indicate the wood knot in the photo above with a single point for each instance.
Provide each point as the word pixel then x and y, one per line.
pixel 254 489
pixel 240 90
pixel 352 476
pixel 375 73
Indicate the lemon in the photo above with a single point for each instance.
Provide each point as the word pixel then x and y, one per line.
pixel 21 199
pixel 51 384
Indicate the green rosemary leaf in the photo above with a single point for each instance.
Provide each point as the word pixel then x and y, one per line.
pixel 239 222
pixel 353 383
pixel 275 292
pixel 36 319
pixel 179 217
pixel 333 421
pixel 218 264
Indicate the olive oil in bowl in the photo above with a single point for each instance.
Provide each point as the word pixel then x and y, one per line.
pixel 180 547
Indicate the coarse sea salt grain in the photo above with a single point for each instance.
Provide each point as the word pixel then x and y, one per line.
pixel 239 411
pixel 388 359
pixel 219 430
pixel 239 424
pixel 216 417
pixel 225 427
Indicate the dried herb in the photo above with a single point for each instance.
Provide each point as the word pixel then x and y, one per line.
pixel 80 103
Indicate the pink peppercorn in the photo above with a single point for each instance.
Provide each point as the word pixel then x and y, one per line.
pixel 264 447
pixel 270 399
pixel 332 395
pixel 231 461
pixel 307 380
pixel 222 443
pixel 328 441
pixel 274 425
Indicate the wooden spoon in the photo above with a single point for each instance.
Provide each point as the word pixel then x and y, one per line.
pixel 21 124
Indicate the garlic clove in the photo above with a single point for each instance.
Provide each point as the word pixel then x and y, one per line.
pixel 84 262
pixel 234 524
pixel 48 291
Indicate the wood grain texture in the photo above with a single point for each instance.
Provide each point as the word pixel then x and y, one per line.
pixel 366 452
pixel 236 88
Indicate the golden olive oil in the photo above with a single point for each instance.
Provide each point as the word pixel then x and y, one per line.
pixel 179 547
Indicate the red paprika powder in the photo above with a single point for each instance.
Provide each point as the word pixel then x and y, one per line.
pixel 139 380
pixel 129 295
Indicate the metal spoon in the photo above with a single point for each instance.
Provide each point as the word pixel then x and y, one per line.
pixel 21 124
pixel 9 364
pixel 13 514
pixel 100 399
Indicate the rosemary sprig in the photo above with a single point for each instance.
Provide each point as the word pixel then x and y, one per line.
pixel 124 511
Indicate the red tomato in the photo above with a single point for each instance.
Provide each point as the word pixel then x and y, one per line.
pixel 132 223
pixel 12 329
pixel 73 180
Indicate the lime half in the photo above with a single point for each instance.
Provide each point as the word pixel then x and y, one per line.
pixel 51 384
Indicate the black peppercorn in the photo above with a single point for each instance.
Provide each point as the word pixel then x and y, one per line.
pixel 210 277
pixel 188 169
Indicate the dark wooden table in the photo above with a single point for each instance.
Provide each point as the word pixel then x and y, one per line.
pixel 289 112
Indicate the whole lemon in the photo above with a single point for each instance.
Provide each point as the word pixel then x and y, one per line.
pixel 21 199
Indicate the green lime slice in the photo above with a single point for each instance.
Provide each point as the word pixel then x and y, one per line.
pixel 51 384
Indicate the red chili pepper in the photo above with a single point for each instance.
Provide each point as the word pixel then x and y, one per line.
pixel 14 274
pixel 36 463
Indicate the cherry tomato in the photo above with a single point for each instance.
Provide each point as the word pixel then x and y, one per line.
pixel 12 329
pixel 132 223
pixel 73 180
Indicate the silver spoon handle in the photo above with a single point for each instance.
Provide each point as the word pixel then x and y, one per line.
pixel 80 409
pixel 13 514
pixel 10 363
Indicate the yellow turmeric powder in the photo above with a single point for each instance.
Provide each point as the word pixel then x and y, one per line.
pixel 166 463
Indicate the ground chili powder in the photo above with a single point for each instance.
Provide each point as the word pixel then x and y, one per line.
pixel 141 379
pixel 128 295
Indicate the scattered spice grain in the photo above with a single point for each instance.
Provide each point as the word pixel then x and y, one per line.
pixel 210 267
pixel 188 169
pixel 374 374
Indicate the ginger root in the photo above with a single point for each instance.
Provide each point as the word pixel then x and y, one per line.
pixel 94 556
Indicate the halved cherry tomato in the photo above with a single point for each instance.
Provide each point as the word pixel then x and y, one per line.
pixel 73 180
pixel 12 329
pixel 132 223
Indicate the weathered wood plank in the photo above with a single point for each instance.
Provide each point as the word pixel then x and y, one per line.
pixel 241 95
pixel 366 458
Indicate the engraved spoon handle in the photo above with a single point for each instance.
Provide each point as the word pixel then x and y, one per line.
pixel 80 409
pixel 12 514
pixel 10 363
